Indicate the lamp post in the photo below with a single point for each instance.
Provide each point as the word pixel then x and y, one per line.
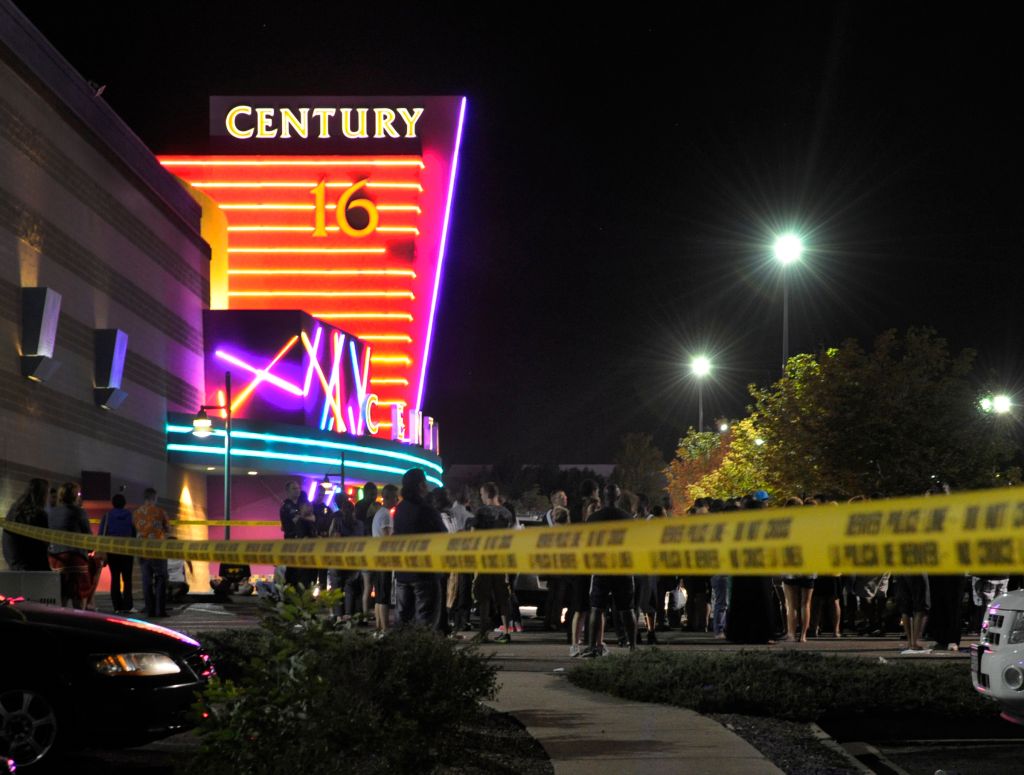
pixel 202 427
pixel 700 367
pixel 788 249
pixel 326 483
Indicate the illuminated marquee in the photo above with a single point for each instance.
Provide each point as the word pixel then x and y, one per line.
pixel 340 207
pixel 287 367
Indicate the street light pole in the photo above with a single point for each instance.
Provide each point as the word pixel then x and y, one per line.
pixel 700 367
pixel 202 427
pixel 227 454
pixel 785 322
pixel 788 249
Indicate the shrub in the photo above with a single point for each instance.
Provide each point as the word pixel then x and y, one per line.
pixel 788 685
pixel 306 696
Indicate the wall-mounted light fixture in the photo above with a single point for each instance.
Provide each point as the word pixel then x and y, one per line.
pixel 40 315
pixel 110 345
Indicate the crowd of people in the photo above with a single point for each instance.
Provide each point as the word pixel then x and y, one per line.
pixel 932 611
pixel 741 609
pixel 60 508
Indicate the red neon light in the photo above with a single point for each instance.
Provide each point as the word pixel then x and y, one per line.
pixel 379 287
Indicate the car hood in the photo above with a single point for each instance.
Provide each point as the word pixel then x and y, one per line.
pixel 95 630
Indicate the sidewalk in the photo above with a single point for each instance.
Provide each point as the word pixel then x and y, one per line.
pixel 586 733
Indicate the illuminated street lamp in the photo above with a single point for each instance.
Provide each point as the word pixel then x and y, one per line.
pixel 700 367
pixel 787 250
pixel 202 427
pixel 998 404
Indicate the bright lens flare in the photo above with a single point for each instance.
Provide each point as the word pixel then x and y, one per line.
pixel 1001 404
pixel 788 249
pixel 700 366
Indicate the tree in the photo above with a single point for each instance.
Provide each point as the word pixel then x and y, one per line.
pixel 741 469
pixel 890 421
pixel 639 465
pixel 698 454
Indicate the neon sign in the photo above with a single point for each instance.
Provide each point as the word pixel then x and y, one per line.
pixel 292 369
pixel 338 216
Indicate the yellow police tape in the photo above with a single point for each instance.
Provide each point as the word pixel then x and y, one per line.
pixel 978 532
pixel 216 522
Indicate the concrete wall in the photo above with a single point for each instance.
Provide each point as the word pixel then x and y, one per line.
pixel 85 209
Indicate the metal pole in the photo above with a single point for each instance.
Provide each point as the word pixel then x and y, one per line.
pixel 785 321
pixel 227 454
pixel 344 491
pixel 700 405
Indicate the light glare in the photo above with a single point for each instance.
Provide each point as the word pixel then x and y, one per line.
pixel 788 249
pixel 700 366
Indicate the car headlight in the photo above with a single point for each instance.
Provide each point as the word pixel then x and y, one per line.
pixel 1013 677
pixel 1016 633
pixel 136 664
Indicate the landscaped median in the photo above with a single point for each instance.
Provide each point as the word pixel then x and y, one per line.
pixel 768 697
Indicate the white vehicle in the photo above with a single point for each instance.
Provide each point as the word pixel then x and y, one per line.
pixel 997 661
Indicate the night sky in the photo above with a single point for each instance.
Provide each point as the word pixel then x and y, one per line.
pixel 622 180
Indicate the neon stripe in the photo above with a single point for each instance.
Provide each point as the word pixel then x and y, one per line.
pixel 389 381
pixel 386 338
pixel 323 381
pixel 363 315
pixel 306 208
pixel 252 385
pixel 405 360
pixel 406 186
pixel 328 272
pixel 334 229
pixel 297 163
pixel 331 294
pixel 316 356
pixel 335 445
pixel 326 461
pixel 356 251
pixel 440 258
pixel 263 374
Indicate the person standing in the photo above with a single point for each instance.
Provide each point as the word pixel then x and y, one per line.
pixel 381 528
pixel 289 514
pixel 491 588
pixel 150 522
pixel 366 509
pixel 416 593
pixel 619 588
pixel 76 583
pixel 118 523
pixel 558 585
pixel 22 552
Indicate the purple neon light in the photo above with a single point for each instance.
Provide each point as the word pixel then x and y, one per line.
pixel 262 375
pixel 338 345
pixel 362 382
pixel 440 256
pixel 316 355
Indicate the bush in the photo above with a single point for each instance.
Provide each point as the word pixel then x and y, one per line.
pixel 306 696
pixel 788 685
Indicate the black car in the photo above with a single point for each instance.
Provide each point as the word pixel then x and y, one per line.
pixel 74 678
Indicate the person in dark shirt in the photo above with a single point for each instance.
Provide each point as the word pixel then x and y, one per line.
pixel 416 593
pixel 492 587
pixel 619 587
pixel 21 552
pixel 289 524
pixel 118 522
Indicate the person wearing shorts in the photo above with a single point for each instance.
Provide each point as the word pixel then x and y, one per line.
pixel 913 598
pixel 619 588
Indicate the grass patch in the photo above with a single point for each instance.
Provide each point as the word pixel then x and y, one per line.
pixel 788 685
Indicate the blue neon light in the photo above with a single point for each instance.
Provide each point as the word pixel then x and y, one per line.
pixel 334 445
pixel 326 461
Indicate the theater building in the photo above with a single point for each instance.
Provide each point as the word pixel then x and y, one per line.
pixel 300 260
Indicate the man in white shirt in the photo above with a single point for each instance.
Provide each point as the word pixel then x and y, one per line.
pixel 380 528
